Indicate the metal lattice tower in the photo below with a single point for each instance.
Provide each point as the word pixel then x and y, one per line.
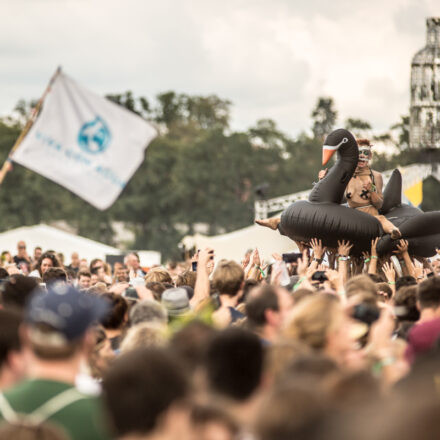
pixel 425 91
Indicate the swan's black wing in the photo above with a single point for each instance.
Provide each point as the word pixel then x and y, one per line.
pixel 392 195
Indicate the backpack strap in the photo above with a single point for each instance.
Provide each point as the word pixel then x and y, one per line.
pixel 42 413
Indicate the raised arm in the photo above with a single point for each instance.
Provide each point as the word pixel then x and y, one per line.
pixel 344 248
pixel 402 251
pixel 372 268
pixel 201 288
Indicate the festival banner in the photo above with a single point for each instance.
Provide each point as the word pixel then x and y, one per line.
pixel 85 142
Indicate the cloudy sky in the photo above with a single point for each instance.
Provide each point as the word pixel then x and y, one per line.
pixel 271 58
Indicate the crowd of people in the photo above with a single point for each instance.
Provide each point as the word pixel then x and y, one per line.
pixel 318 344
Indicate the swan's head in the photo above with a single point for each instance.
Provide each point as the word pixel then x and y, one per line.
pixel 339 139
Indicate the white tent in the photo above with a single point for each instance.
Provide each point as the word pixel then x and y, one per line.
pixel 233 245
pixel 48 237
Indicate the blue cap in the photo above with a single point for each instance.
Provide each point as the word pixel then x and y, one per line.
pixel 67 310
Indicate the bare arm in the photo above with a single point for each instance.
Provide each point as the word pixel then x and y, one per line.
pixel 390 275
pixel 344 252
pixel 201 288
pixel 402 250
pixel 254 271
pixel 372 268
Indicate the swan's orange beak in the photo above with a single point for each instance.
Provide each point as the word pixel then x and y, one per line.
pixel 327 154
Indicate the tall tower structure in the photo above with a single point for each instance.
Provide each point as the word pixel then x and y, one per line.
pixel 425 91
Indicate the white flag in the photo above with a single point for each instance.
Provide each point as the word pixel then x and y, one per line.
pixel 85 142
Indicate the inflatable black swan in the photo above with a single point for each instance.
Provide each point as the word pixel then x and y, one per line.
pixel 324 217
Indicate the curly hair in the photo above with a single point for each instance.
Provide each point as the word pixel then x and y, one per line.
pixel 52 257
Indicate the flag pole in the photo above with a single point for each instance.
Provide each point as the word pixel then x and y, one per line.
pixel 7 165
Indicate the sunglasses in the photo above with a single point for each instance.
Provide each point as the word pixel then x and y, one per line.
pixel 365 152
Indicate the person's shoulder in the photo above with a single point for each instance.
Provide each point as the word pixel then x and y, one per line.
pixel 22 387
pixel 377 173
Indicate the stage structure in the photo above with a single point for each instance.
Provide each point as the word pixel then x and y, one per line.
pixel 425 91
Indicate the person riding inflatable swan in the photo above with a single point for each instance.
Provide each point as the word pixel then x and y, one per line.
pixel 369 214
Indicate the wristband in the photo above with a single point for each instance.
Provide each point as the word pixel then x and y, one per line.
pixel 343 258
pixel 367 260
pixel 385 362
pixel 318 260
pixel 374 256
pixel 391 282
pixel 298 283
pixel 389 360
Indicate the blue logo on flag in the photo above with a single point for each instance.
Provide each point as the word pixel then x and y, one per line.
pixel 94 136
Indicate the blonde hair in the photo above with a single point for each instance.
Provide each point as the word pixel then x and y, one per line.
pixel 187 278
pixel 143 335
pixel 98 288
pixel 158 275
pixel 228 277
pixel 360 284
pixel 313 319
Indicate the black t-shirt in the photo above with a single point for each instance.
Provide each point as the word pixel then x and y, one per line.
pixel 74 269
pixel 20 261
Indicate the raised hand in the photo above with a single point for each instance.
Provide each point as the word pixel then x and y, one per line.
pixel 303 264
pixel 245 261
pixel 256 258
pixel 205 256
pixel 318 250
pixel 119 288
pixel 334 278
pixel 402 247
pixel 301 246
pixel 419 273
pixel 344 248
pixel 389 272
pixel 277 257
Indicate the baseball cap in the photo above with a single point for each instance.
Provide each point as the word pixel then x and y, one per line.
pixel 422 337
pixel 67 310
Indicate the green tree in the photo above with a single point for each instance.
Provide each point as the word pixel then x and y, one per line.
pixel 324 117
pixel 357 126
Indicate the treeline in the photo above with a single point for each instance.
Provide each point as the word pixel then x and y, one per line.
pixel 197 171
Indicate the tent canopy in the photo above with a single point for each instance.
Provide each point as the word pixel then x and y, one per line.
pixel 48 237
pixel 234 245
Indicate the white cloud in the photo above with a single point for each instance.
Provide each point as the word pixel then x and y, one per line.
pixel 272 59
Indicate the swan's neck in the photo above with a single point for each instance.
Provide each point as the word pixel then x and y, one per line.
pixel 332 187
